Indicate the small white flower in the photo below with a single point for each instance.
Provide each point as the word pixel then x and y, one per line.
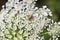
pixel 1 34
pixel 44 6
pixel 20 31
pixel 59 23
pixel 15 38
pixel 28 1
pixel 9 36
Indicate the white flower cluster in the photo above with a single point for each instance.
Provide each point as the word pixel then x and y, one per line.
pixel 21 20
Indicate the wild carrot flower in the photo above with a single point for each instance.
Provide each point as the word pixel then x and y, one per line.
pixel 21 20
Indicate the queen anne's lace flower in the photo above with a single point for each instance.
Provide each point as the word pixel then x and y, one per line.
pixel 21 20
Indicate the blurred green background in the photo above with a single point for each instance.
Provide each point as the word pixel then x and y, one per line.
pixel 53 5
